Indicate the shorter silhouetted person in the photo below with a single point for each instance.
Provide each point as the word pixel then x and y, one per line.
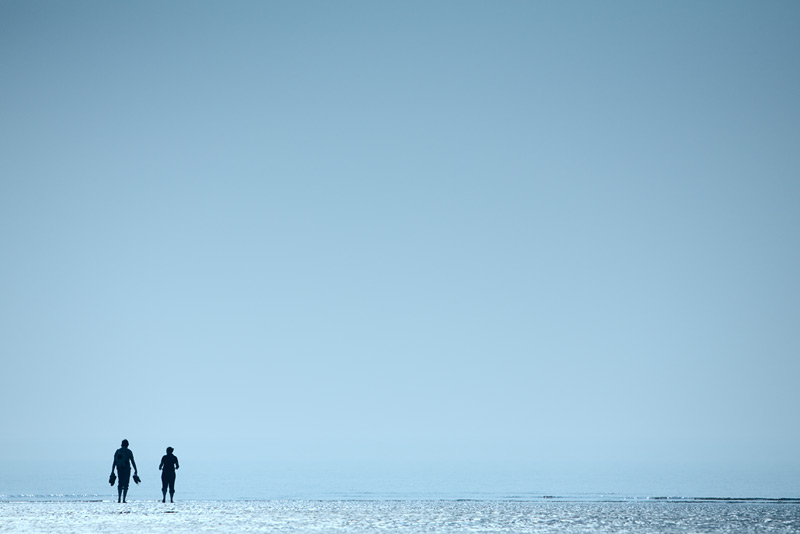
pixel 123 459
pixel 169 463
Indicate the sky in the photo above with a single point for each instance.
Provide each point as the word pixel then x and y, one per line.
pixel 508 233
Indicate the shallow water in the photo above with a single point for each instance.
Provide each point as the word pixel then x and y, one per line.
pixel 400 516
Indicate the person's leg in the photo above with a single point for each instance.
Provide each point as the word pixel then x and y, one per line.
pixel 171 488
pixel 119 492
pixel 124 480
pixel 163 488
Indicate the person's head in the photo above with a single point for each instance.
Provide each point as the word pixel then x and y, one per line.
pixel 169 450
pixel 125 443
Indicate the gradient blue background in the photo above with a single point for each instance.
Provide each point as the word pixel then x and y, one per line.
pixel 530 236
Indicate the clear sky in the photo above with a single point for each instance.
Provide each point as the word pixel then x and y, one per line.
pixel 519 233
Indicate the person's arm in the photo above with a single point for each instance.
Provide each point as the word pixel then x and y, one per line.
pixel 135 470
pixel 113 464
pixel 176 463
pixel 162 463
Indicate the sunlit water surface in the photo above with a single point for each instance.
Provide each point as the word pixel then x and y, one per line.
pixel 399 516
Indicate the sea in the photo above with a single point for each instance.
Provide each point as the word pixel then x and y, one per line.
pixel 425 501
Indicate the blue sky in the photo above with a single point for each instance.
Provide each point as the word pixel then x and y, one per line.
pixel 519 233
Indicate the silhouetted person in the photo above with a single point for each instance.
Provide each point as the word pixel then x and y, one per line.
pixel 123 459
pixel 168 465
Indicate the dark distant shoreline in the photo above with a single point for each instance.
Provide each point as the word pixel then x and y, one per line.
pixel 600 498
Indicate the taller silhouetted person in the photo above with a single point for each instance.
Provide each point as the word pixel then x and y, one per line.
pixel 168 465
pixel 123 459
